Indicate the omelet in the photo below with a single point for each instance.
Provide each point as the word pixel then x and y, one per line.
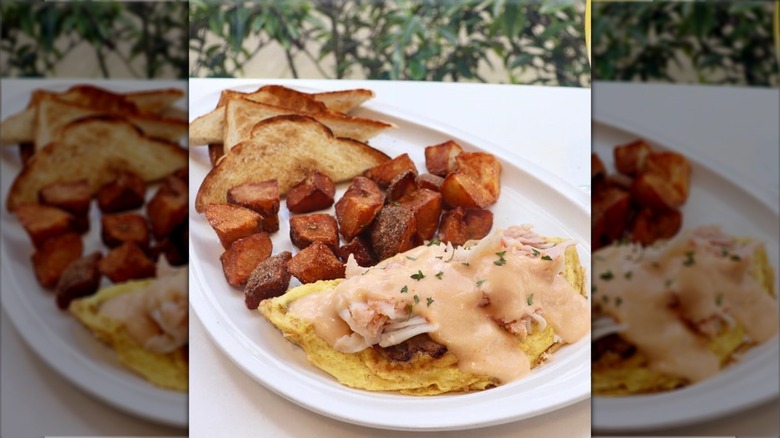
pixel 708 295
pixel 439 319
pixel 145 322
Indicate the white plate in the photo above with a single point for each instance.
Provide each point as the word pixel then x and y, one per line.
pixel 56 336
pixel 528 195
pixel 715 198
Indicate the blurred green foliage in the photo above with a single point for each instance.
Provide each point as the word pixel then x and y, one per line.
pixel 722 42
pixel 147 37
pixel 416 40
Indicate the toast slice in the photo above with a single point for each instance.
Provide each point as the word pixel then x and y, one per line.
pixel 287 148
pixel 54 114
pixel 154 101
pixel 343 101
pixel 95 148
pixel 242 114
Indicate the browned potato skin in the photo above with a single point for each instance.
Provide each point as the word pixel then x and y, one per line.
pixel 358 207
pixel 461 190
pixel 117 229
pixel 168 207
pixel 310 228
pixel 315 192
pixel 126 262
pixel 664 184
pixel 384 173
pixel 649 226
pixel 393 231
pixel 81 278
pixel 429 181
pixel 440 158
pixel 54 256
pixel 243 256
pixel 316 262
pixel 611 210
pixel 126 192
pixel 232 222
pixel 401 186
pixel 42 222
pixel 461 225
pixel 269 279
pixel 261 197
pixel 426 205
pixel 360 249
pixel 484 168
pixel 597 169
pixel 630 158
pixel 73 197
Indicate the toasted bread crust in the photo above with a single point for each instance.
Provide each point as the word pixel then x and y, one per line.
pixel 268 156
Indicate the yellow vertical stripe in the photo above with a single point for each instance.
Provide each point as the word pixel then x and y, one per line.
pixel 587 28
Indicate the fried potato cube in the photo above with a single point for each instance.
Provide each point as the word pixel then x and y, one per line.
pixel 358 207
pixel 393 231
pixel 402 185
pixel 426 205
pixel 665 182
pixel 73 197
pixel 261 197
pixel 315 192
pixel 597 169
pixel 42 222
pixel 440 158
pixel 384 173
pixel 463 224
pixel 126 192
pixel 232 222
pixel 243 256
pixel 168 207
pixel 611 209
pixel 173 247
pixel 269 279
pixel 117 229
pixel 316 262
pixel 461 190
pixel 80 279
pixel 484 168
pixel 630 158
pixel 360 249
pixel 310 228
pixel 649 226
pixel 54 256
pixel 429 181
pixel 126 262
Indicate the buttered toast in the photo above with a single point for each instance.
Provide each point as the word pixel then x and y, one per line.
pixel 287 148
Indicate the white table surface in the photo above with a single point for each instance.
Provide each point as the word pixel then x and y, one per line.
pixel 224 401
pixel 734 128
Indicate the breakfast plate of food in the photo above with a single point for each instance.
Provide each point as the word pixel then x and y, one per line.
pixel 363 264
pixel 98 289
pixel 684 286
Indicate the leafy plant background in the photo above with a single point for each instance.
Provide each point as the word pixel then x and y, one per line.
pixel 123 39
pixel 516 41
pixel 703 42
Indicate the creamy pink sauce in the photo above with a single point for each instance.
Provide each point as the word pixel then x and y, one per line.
pixel 450 294
pixel 665 296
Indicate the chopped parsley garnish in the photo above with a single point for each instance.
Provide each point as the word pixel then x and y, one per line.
pixel 627 275
pixel 719 299
pixel 480 282
pixel 440 257
pixel 434 242
pixel 536 253
pixel 530 299
pixel 418 276
pixel 668 282
pixel 404 289
pixel 439 274
pixel 594 289
pixel 429 301
pixel 724 252
pixel 548 258
pixel 411 258
pixel 500 261
pixel 736 258
pixel 618 301
pixel 606 275
pixel 605 298
pixel 465 264
pixel 416 299
pixel 689 258
pixel 409 310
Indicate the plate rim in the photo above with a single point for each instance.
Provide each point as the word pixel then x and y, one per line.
pixel 225 340
pixel 168 407
pixel 761 195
